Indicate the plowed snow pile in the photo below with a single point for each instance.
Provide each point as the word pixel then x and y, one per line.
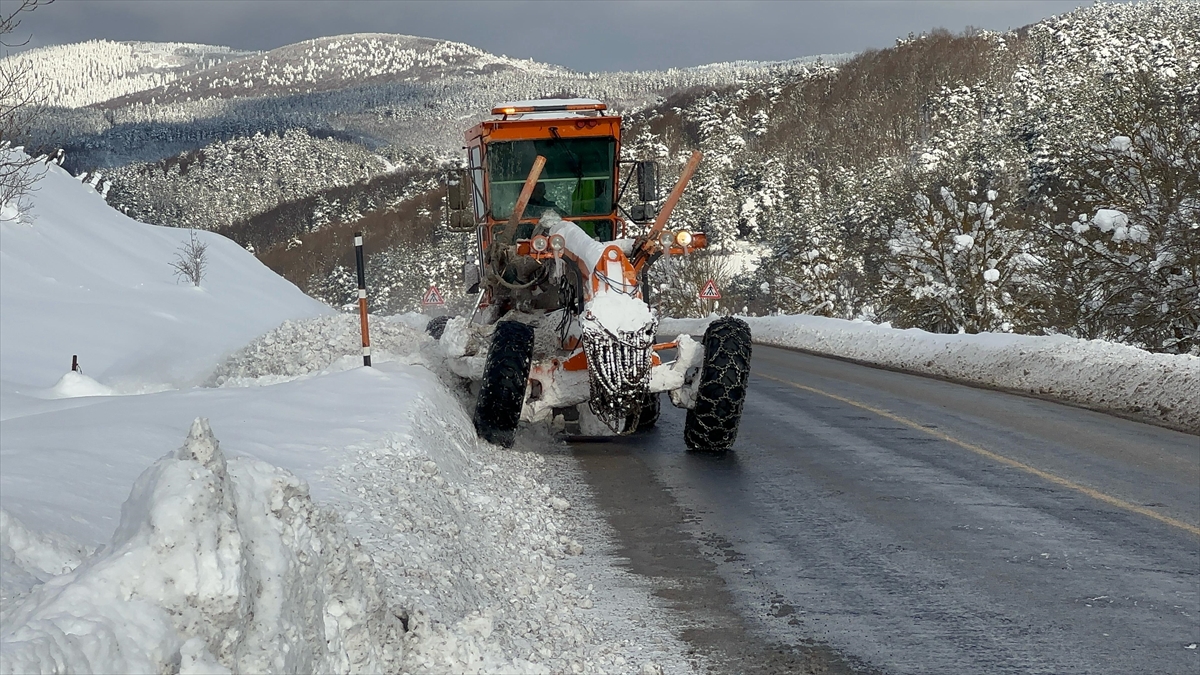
pixel 347 520
pixel 1163 388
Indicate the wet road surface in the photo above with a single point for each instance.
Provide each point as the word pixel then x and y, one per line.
pixel 873 521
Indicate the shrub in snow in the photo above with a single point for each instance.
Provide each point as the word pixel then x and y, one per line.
pixel 191 260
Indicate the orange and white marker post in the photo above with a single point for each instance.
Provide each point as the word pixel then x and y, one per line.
pixel 362 298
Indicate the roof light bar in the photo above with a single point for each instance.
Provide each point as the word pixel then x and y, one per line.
pixel 548 105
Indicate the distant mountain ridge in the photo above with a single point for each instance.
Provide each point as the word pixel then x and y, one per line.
pixel 331 63
pixel 110 75
pixel 85 73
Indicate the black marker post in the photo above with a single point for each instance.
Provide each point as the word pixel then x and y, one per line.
pixel 362 297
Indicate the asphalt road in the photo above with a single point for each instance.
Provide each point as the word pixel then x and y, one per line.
pixel 873 521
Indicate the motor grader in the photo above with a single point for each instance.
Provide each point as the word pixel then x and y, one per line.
pixel 561 330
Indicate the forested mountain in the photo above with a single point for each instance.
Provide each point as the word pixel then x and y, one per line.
pixel 1042 180
pixel 85 73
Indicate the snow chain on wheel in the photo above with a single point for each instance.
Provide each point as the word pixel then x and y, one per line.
pixel 649 415
pixel 505 376
pixel 437 326
pixel 712 424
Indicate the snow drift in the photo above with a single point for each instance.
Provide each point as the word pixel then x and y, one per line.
pixel 215 562
pixel 1161 388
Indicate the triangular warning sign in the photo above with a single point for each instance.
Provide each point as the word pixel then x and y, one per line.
pixel 709 291
pixel 433 297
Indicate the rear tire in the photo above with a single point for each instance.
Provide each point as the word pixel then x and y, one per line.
pixel 712 425
pixel 505 376
pixel 437 326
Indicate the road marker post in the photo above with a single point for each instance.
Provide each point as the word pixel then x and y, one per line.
pixel 362 298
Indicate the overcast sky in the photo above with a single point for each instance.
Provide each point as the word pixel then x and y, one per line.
pixel 589 36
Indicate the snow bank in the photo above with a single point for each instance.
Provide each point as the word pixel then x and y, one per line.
pixel 81 278
pixel 216 566
pixel 1161 388
pixel 324 344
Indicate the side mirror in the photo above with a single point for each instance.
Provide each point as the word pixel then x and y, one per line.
pixel 642 213
pixel 458 190
pixel 459 214
pixel 647 181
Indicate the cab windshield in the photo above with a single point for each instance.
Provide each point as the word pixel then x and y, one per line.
pixel 576 181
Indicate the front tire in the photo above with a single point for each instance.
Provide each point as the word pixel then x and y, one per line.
pixel 505 376
pixel 712 425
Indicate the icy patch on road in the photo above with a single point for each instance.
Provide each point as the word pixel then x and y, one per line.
pixel 311 346
pixel 217 566
pixel 1163 388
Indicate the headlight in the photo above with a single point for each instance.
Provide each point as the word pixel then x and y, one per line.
pixel 557 242
pixel 683 238
pixel 666 239
pixel 540 243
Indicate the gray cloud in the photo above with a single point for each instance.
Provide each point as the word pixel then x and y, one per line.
pixel 583 35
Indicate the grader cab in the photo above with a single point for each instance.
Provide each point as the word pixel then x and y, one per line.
pixel 561 331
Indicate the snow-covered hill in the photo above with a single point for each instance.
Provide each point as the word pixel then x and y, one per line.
pixel 298 513
pixel 330 63
pixel 84 73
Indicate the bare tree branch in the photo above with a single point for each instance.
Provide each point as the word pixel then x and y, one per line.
pixel 10 20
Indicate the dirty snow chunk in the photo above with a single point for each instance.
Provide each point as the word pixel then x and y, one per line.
pixel 75 384
pixel 991 276
pixel 222 565
pixel 963 241
pixel 619 312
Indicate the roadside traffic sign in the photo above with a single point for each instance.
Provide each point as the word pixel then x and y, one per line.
pixel 433 297
pixel 709 291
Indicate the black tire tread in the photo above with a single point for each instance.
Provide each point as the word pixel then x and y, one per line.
pixel 505 376
pixel 712 425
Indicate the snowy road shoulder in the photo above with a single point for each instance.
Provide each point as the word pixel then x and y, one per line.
pixel 1160 388
pixel 464 546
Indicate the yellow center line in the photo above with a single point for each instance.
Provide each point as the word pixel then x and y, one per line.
pixel 1044 475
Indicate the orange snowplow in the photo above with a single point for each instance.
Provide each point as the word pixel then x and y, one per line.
pixel 561 280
